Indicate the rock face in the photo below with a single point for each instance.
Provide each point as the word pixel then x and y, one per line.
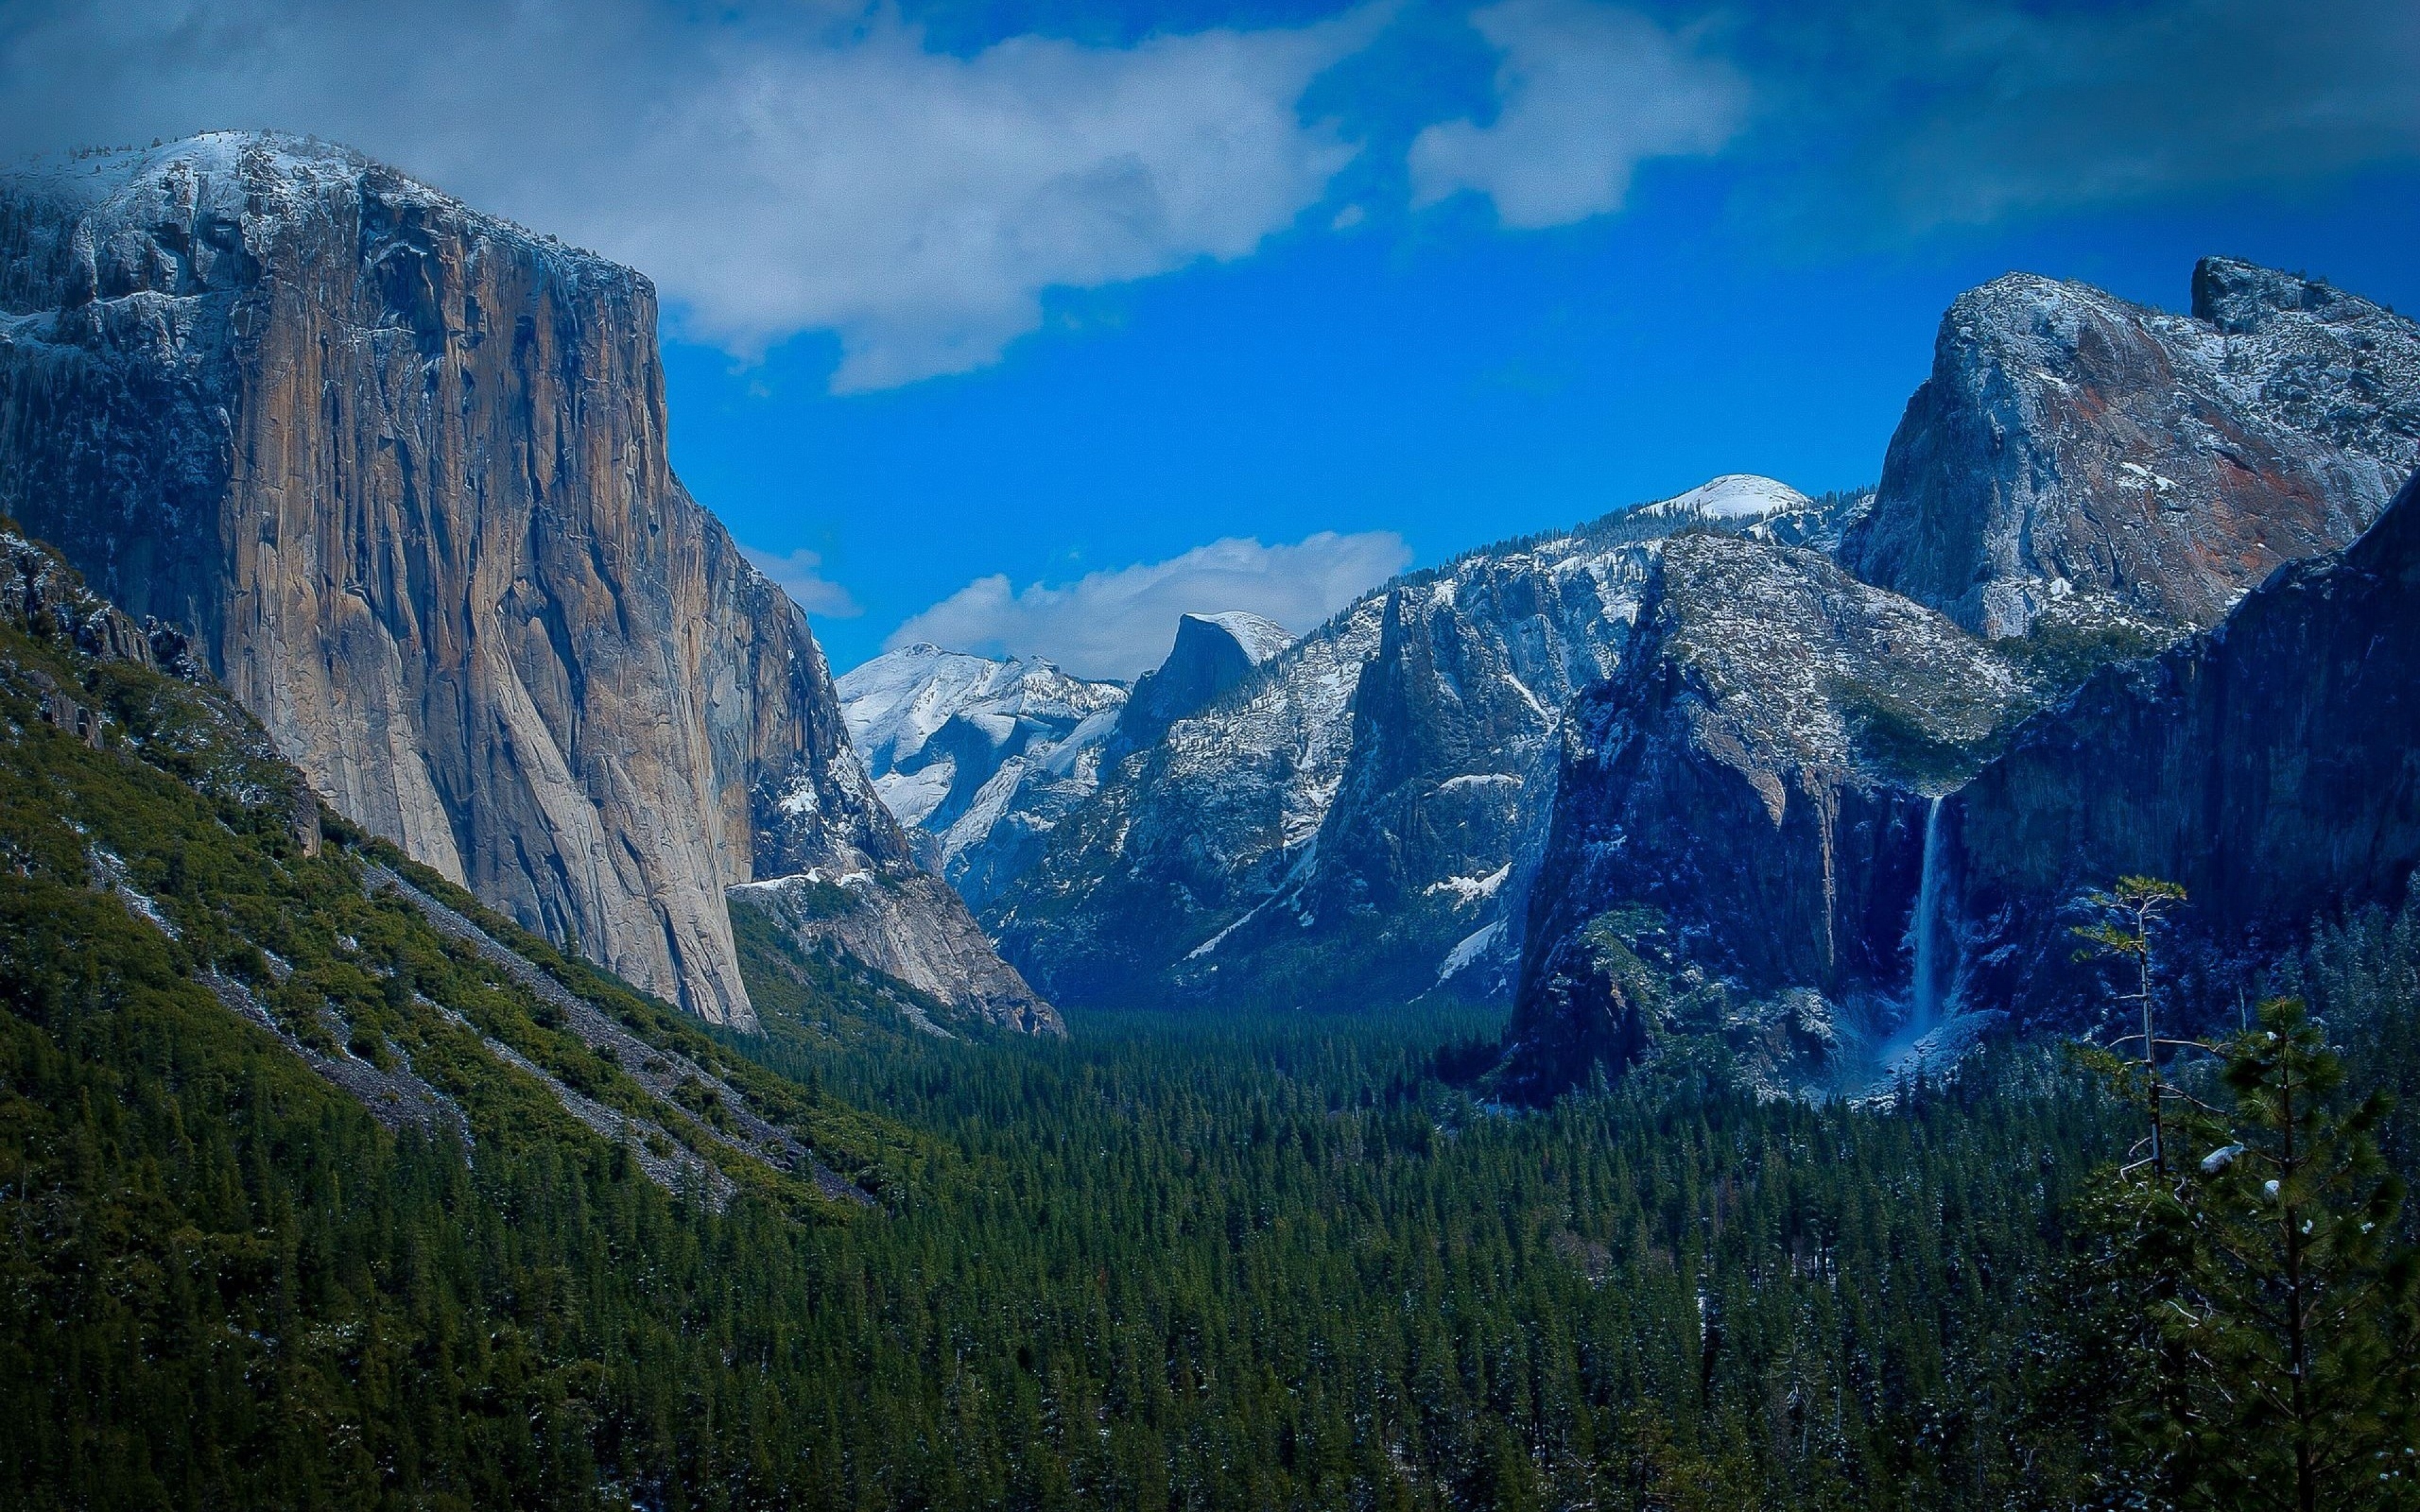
pixel 911 926
pixel 979 759
pixel 1351 822
pixel 1747 797
pixel 1212 653
pixel 2271 765
pixel 1752 807
pixel 2083 461
pixel 400 469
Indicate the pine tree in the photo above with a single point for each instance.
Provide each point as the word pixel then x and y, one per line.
pixel 2267 1314
pixel 2129 915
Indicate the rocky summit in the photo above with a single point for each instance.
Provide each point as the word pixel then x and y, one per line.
pixel 2078 462
pixel 399 469
pixel 1212 653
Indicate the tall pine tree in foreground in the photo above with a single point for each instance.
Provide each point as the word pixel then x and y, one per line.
pixel 2254 1308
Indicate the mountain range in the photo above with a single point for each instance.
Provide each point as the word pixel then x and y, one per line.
pixel 392 474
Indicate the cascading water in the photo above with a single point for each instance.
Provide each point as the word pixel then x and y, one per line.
pixel 1924 993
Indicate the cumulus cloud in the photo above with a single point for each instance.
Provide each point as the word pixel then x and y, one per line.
pixel 776 171
pixel 1587 92
pixel 1119 623
pixel 801 575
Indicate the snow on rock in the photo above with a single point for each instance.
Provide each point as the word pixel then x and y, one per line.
pixel 1735 496
pixel 1471 949
pixel 979 757
pixel 1412 738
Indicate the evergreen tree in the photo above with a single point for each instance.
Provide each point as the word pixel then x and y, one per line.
pixel 2259 1308
pixel 2130 913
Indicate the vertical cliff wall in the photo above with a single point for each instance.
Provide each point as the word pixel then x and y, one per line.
pixel 2272 765
pixel 1752 782
pixel 401 468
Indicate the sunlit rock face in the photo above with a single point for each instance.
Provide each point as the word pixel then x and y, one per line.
pixel 2076 459
pixel 401 468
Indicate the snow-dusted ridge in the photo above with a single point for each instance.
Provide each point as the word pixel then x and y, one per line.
pixel 977 756
pixel 1378 777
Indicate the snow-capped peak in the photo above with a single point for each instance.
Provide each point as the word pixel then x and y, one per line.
pixel 1735 496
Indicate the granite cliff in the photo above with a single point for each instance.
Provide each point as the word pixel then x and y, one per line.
pixel 1212 653
pixel 1748 795
pixel 2270 765
pixel 2080 460
pixel 399 469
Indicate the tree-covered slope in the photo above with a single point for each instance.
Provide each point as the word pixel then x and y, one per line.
pixel 321 1185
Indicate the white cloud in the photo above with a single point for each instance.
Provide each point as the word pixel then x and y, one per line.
pixel 1587 92
pixel 801 575
pixel 776 173
pixel 1119 623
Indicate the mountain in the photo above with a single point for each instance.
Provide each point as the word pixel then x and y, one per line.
pixel 978 758
pixel 981 759
pixel 2076 460
pixel 1744 802
pixel 399 468
pixel 1347 821
pixel 1212 653
pixel 2270 765
pixel 1809 811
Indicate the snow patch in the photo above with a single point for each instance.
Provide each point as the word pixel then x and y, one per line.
pixel 1478 779
pixel 1471 890
pixel 1474 945
pixel 1734 495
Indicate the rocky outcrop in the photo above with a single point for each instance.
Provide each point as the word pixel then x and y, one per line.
pixel 982 759
pixel 1751 790
pixel 910 927
pixel 44 597
pixel 2270 765
pixel 979 759
pixel 1212 653
pixel 400 469
pixel 1356 821
pixel 2106 467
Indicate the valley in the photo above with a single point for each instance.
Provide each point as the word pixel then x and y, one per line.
pixel 1627 1015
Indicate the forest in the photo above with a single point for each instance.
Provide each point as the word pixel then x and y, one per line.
pixel 1282 1260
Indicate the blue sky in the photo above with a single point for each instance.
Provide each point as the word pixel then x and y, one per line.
pixel 1027 326
pixel 1456 386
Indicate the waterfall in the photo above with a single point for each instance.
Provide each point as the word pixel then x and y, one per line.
pixel 1925 985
